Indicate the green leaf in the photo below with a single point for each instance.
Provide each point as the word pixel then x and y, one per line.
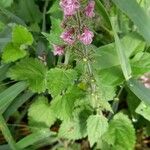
pixel 29 11
pixel 97 125
pixel 124 62
pixel 139 90
pixel 55 32
pixel 63 106
pixel 40 114
pixel 21 36
pixel 133 103
pixel 144 110
pixel 141 19
pixel 55 10
pixel 142 64
pixel 120 134
pixel 10 94
pixel 131 43
pixel 107 81
pixel 31 70
pixel 12 53
pixel 75 128
pixel 59 80
pixel 6 3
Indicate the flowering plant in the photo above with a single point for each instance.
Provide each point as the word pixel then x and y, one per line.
pixel 74 74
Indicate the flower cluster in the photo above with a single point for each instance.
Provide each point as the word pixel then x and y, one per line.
pixel 81 34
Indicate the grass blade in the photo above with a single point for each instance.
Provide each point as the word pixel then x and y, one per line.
pixel 3 71
pixel 17 103
pixel 7 134
pixel 133 10
pixel 7 96
pixel 33 138
pixel 103 12
pixel 124 62
pixel 11 16
pixel 139 90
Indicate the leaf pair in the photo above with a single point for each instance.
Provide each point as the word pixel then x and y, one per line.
pixel 21 38
pixel 40 78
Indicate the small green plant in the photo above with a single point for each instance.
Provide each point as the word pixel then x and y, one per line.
pixel 74 74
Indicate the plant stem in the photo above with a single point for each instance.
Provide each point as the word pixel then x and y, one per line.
pixel 44 18
pixel 79 21
pixel 6 132
pixel 67 56
pixel 115 104
pixel 85 51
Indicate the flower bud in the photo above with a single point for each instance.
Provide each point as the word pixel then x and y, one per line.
pixel 86 37
pixel 69 7
pixel 67 36
pixel 89 10
pixel 58 50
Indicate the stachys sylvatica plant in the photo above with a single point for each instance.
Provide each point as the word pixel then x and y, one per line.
pixel 74 74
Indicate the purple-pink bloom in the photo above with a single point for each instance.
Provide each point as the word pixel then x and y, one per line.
pixel 86 37
pixel 69 7
pixel 146 80
pixel 58 50
pixel 67 36
pixel 89 10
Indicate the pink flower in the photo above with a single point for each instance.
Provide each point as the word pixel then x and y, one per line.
pixel 86 37
pixel 146 80
pixel 67 36
pixel 89 10
pixel 69 6
pixel 58 50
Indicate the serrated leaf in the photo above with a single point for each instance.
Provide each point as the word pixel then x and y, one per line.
pixel 121 133
pixel 63 105
pixel 21 36
pixel 12 53
pixel 144 110
pixel 97 125
pixel 75 128
pixel 59 80
pixel 40 114
pixel 54 36
pixel 105 105
pixel 31 70
pixel 55 10
pixel 107 81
